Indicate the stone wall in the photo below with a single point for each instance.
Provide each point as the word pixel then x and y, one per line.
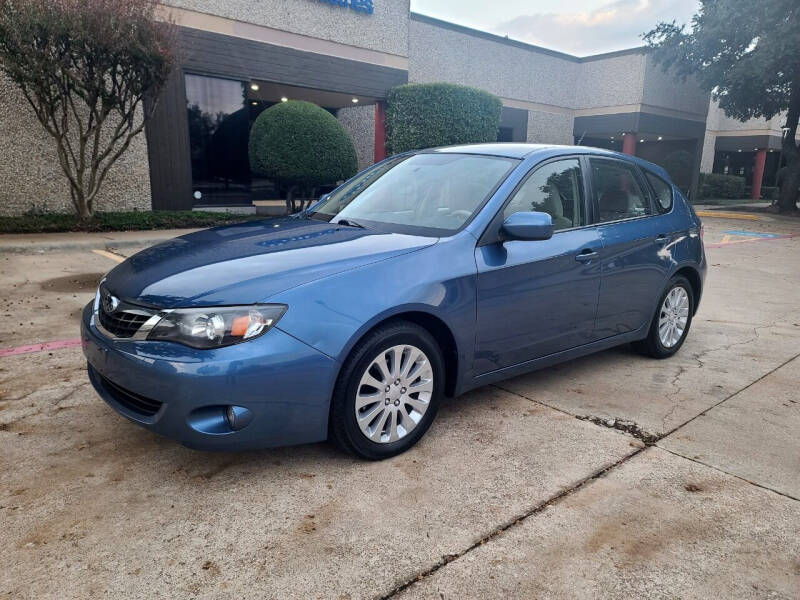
pixel 506 70
pixel 386 30
pixel 549 128
pixel 615 80
pixel 31 178
pixel 359 121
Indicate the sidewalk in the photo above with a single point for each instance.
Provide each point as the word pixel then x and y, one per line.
pixel 33 243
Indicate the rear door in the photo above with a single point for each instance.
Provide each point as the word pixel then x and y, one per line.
pixel 634 236
pixel 539 297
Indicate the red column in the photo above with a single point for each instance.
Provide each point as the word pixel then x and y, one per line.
pixel 380 131
pixel 629 144
pixel 758 173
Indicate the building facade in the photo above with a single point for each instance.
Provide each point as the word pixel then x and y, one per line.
pixel 241 56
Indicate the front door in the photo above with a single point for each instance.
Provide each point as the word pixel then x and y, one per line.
pixel 539 297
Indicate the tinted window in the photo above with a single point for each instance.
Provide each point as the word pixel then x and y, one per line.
pixel 663 191
pixel 617 191
pixel 556 188
pixel 433 190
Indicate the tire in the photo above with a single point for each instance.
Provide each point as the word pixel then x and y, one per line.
pixel 364 431
pixel 654 344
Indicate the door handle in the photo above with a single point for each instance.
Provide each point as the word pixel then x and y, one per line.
pixel 586 255
pixel 662 238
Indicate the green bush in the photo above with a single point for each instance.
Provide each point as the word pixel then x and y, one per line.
pixel 440 114
pixel 300 144
pixel 717 185
pixel 770 192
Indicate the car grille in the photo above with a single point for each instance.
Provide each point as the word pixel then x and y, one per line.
pixel 121 319
pixel 121 324
pixel 134 402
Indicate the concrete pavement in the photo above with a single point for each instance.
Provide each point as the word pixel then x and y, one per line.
pixel 509 494
pixel 38 243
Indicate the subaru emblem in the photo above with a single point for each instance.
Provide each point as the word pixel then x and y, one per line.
pixel 110 303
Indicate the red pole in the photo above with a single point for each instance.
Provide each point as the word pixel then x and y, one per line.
pixel 758 173
pixel 380 130
pixel 629 144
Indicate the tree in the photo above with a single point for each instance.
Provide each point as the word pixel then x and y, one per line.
pixel 86 68
pixel 746 54
pixel 424 115
pixel 301 145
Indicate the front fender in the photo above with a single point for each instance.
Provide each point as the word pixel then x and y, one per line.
pixel 333 314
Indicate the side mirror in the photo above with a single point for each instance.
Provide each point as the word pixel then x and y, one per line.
pixel 528 226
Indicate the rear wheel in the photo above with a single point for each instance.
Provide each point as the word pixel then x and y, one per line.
pixel 672 320
pixel 388 392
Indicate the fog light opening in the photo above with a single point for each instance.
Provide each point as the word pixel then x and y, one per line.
pixel 230 415
pixel 237 417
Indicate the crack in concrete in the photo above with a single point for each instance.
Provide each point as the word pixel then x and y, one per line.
pixel 700 356
pixel 705 464
pixel 624 425
pixel 513 522
pixel 54 406
pixel 448 558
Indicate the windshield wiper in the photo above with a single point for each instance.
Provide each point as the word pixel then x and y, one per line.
pixel 349 223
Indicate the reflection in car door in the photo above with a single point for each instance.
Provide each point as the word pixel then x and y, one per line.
pixel 536 298
pixel 633 234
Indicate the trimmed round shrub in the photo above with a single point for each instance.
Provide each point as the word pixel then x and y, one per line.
pixel 440 114
pixel 300 144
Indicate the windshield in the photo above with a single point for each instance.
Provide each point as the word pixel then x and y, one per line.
pixel 436 191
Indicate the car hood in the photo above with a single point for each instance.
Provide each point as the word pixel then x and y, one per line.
pixel 249 262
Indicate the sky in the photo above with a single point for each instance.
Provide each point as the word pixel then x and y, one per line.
pixel 578 27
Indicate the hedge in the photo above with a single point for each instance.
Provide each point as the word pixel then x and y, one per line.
pixel 770 192
pixel 717 185
pixel 299 143
pixel 440 114
pixel 119 221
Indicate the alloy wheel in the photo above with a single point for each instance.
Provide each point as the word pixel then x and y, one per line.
pixel 673 317
pixel 394 393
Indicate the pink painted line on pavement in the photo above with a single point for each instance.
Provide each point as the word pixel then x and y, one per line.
pixel 40 347
pixel 782 237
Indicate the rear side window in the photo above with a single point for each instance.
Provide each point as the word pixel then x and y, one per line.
pixel 663 191
pixel 617 191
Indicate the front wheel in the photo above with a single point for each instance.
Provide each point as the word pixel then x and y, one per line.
pixel 672 320
pixel 388 392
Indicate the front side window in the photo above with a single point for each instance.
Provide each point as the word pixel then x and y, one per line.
pixel 617 191
pixel 438 191
pixel 556 189
pixel 663 191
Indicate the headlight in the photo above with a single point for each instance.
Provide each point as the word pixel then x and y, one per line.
pixel 218 326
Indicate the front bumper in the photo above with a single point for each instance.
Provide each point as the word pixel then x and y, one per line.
pixel 284 383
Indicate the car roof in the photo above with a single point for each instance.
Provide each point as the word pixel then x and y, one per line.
pixel 517 150
pixel 523 151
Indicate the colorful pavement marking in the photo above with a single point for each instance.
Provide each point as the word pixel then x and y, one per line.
pixel 111 255
pixel 40 347
pixel 741 237
pixel 728 215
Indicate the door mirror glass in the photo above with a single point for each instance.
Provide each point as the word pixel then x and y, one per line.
pixel 528 226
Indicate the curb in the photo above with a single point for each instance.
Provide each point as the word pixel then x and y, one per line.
pixel 98 243
pixel 40 247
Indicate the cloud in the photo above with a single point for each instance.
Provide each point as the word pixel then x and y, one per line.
pixel 611 26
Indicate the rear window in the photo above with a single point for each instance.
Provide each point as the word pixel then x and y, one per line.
pixel 663 191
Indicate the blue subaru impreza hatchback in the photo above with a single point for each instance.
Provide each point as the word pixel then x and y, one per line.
pixel 428 274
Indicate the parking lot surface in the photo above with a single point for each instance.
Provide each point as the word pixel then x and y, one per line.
pixel 609 476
